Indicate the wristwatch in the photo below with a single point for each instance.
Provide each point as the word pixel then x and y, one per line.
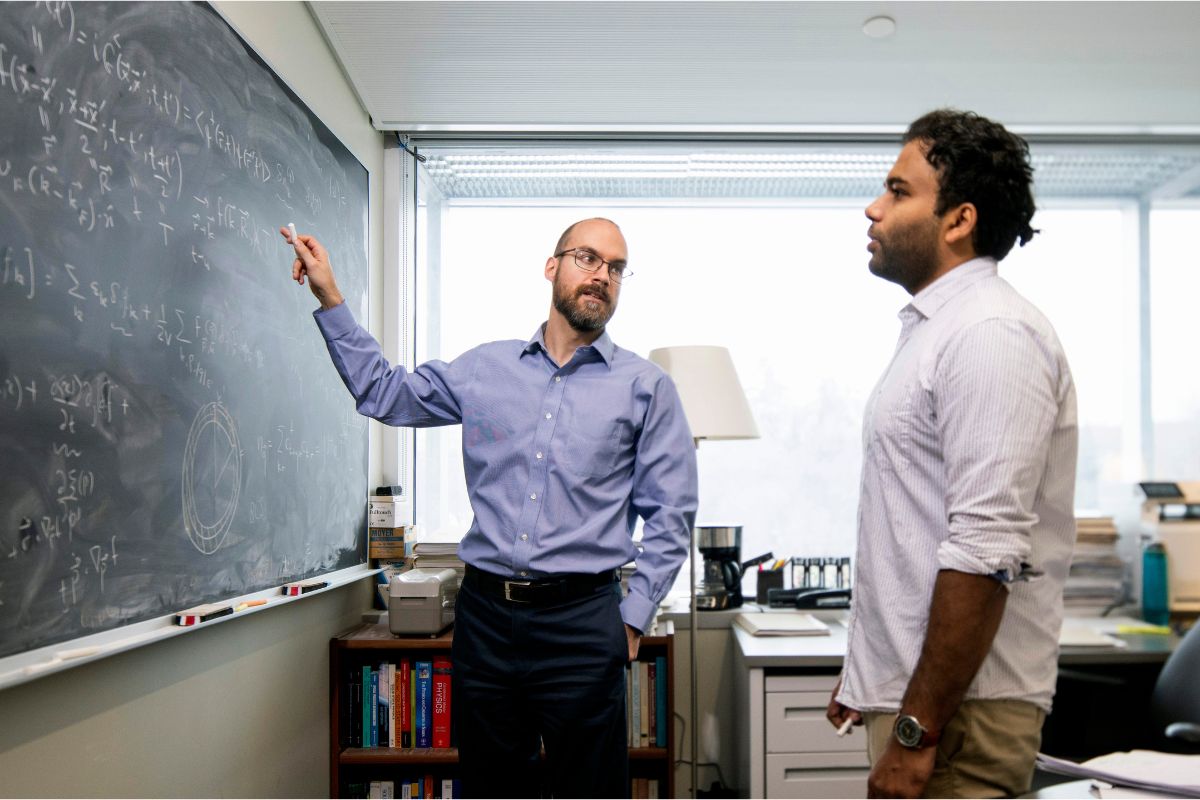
pixel 910 733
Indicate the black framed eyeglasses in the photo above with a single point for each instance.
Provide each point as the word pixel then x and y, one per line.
pixel 588 261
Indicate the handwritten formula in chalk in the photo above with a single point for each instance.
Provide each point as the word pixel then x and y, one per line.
pixel 171 430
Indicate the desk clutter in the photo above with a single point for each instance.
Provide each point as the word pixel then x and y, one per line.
pixel 816 582
pixel 782 623
pixel 1098 578
pixel 1143 770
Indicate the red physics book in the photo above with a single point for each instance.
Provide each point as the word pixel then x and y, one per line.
pixel 442 672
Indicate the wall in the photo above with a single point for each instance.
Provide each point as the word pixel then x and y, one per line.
pixel 240 710
pixel 716 698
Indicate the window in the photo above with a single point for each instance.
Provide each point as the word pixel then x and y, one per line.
pixel 1174 335
pixel 766 256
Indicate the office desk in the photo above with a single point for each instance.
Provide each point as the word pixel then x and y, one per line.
pixel 786 747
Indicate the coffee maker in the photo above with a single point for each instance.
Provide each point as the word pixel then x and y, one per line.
pixel 721 584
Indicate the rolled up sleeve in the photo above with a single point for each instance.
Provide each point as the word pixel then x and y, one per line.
pixel 995 394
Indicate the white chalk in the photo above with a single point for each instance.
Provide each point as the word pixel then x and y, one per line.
pixel 291 226
pixel 81 652
pixel 34 669
pixel 842 731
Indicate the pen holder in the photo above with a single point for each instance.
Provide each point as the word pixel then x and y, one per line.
pixel 768 579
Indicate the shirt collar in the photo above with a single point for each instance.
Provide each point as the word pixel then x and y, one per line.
pixel 930 299
pixel 603 346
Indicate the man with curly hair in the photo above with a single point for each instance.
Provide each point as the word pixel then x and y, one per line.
pixel 966 520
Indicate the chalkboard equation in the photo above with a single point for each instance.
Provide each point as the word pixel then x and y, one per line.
pixel 171 430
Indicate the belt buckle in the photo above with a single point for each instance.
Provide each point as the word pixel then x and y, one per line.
pixel 508 590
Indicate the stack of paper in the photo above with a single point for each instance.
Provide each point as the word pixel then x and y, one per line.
pixel 1138 769
pixel 783 623
pixel 1073 634
pixel 1097 579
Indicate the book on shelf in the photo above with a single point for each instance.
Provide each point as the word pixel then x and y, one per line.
pixel 374 707
pixel 404 704
pixel 660 702
pixel 635 704
pixel 354 728
pixel 422 705
pixel 442 672
pixel 644 788
pixel 384 738
pixel 651 702
pixel 365 708
pixel 644 705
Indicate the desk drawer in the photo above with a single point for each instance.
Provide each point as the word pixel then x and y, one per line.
pixel 802 683
pixel 826 775
pixel 796 724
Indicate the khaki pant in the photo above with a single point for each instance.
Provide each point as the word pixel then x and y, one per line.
pixel 987 750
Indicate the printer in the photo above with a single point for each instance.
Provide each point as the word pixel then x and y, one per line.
pixel 1171 515
pixel 421 601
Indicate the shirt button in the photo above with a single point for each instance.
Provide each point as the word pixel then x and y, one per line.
pixel 539 455
pixel 548 415
pixel 533 496
pixel 558 378
pixel 524 537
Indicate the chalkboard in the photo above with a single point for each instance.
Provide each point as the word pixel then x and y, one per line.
pixel 172 431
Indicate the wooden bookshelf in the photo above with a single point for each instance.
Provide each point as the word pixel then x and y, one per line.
pixel 368 644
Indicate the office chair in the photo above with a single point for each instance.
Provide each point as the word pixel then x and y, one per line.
pixel 1175 702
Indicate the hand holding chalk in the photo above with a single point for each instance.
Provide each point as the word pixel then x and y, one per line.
pixel 313 261
pixel 842 731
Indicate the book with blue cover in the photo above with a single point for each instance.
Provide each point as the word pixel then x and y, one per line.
pixel 374 707
pixel 385 705
pixel 367 705
pixel 423 703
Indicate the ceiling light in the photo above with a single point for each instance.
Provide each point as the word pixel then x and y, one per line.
pixel 879 27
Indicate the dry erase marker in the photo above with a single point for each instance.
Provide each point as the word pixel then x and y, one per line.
pixel 842 731
pixel 292 230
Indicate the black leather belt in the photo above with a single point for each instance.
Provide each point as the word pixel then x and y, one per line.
pixel 538 591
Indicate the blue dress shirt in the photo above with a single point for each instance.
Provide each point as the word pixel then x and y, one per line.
pixel 559 461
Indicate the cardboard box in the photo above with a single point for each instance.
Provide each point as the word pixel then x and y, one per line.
pixel 389 544
pixel 384 512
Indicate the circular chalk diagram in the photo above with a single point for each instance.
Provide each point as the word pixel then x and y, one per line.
pixel 212 477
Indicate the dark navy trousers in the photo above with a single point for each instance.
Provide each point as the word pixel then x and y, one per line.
pixel 528 677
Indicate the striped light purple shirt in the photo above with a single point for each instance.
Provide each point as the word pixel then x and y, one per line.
pixel 969 450
pixel 559 461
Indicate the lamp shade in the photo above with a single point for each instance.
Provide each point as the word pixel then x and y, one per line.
pixel 712 395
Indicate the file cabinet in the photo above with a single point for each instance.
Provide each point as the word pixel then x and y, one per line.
pixel 804 756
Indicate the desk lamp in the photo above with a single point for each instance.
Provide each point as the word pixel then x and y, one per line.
pixel 716 408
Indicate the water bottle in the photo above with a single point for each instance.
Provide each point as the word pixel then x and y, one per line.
pixel 1154 584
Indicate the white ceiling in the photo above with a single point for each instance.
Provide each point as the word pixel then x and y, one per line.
pixel 1129 67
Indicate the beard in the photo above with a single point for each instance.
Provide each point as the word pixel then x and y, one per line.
pixel 584 316
pixel 907 255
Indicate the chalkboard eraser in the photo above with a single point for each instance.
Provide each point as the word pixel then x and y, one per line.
pixel 194 616
pixel 301 587
pixel 388 491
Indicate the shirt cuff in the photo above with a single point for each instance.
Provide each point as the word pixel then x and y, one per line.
pixel 1003 568
pixel 335 322
pixel 638 611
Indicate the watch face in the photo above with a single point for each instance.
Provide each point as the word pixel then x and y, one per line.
pixel 909 731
